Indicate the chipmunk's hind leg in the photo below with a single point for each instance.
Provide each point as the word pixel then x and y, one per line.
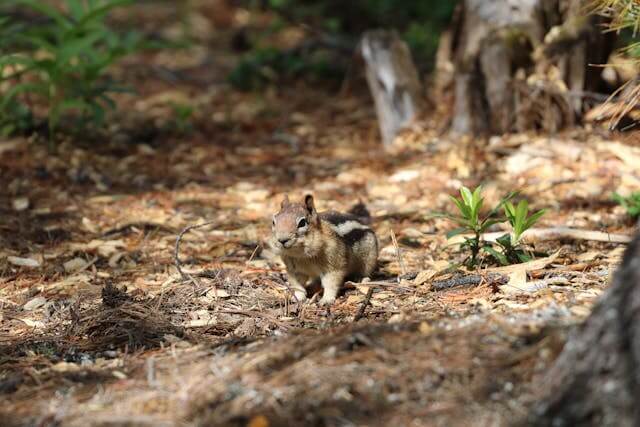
pixel 367 252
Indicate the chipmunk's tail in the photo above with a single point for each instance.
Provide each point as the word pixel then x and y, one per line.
pixel 360 211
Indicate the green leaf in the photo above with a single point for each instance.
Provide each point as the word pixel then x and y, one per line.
pixel 476 201
pixel 509 210
pixel 76 47
pixel 523 257
pixel 36 41
pixel 456 232
pixel 504 240
pixel 466 196
pixel 497 255
pixel 535 217
pixel 464 209
pixel 15 59
pixel 76 9
pixel 521 216
pixel 99 12
pixel 45 9
pixel 21 88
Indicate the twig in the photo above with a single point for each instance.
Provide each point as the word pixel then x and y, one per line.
pixel 390 284
pixel 364 305
pixel 176 253
pixel 139 224
pixel 151 372
pixel 254 253
pixel 398 254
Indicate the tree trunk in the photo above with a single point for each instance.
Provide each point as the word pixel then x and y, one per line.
pixel 596 379
pixel 523 65
pixel 393 81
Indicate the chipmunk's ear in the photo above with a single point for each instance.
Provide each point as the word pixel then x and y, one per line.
pixel 308 203
pixel 285 202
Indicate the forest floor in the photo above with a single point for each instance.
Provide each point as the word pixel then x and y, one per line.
pixel 98 328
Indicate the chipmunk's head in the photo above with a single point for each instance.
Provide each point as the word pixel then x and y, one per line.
pixel 293 223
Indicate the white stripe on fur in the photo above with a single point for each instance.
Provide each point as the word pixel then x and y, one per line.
pixel 347 227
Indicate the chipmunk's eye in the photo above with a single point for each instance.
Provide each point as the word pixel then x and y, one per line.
pixel 273 222
pixel 302 222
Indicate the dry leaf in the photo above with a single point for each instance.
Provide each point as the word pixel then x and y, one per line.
pixel 119 375
pixel 89 225
pixel 33 323
pixel 20 204
pixel 424 276
pixel 517 281
pixel 425 328
pixel 23 262
pixel 115 258
pixel 536 264
pixel 65 367
pixel 74 265
pixel 34 303
pixel 258 421
pixel 588 256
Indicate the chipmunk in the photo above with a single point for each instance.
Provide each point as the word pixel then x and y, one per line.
pixel 330 245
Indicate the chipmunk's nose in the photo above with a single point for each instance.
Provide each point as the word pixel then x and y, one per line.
pixel 284 241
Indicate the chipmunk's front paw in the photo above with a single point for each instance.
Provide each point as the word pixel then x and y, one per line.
pixel 299 297
pixel 327 300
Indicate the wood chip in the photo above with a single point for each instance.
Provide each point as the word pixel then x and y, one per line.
pixel 23 262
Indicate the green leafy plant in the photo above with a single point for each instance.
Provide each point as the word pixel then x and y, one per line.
pixel 506 249
pixel 470 221
pixel 182 115
pixel 631 203
pixel 520 221
pixel 61 64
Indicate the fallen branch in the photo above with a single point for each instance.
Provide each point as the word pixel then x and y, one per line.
pixel 176 253
pixel 391 284
pixel 472 280
pixel 555 233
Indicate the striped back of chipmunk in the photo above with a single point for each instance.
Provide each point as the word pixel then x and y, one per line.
pixel 349 227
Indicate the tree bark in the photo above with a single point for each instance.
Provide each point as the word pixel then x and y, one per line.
pixel 393 81
pixel 523 59
pixel 596 379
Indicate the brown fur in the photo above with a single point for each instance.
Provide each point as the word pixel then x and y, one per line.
pixel 329 246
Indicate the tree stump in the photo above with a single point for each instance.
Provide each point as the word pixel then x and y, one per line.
pixel 393 81
pixel 521 65
pixel 596 379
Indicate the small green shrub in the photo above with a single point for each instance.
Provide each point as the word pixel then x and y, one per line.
pixel 61 63
pixel 506 249
pixel 182 118
pixel 520 221
pixel 631 203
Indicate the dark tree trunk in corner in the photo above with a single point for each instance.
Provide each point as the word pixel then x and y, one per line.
pixel 521 65
pixel 596 379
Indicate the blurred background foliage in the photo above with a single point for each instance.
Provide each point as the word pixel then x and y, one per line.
pixel 334 28
pixel 57 56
